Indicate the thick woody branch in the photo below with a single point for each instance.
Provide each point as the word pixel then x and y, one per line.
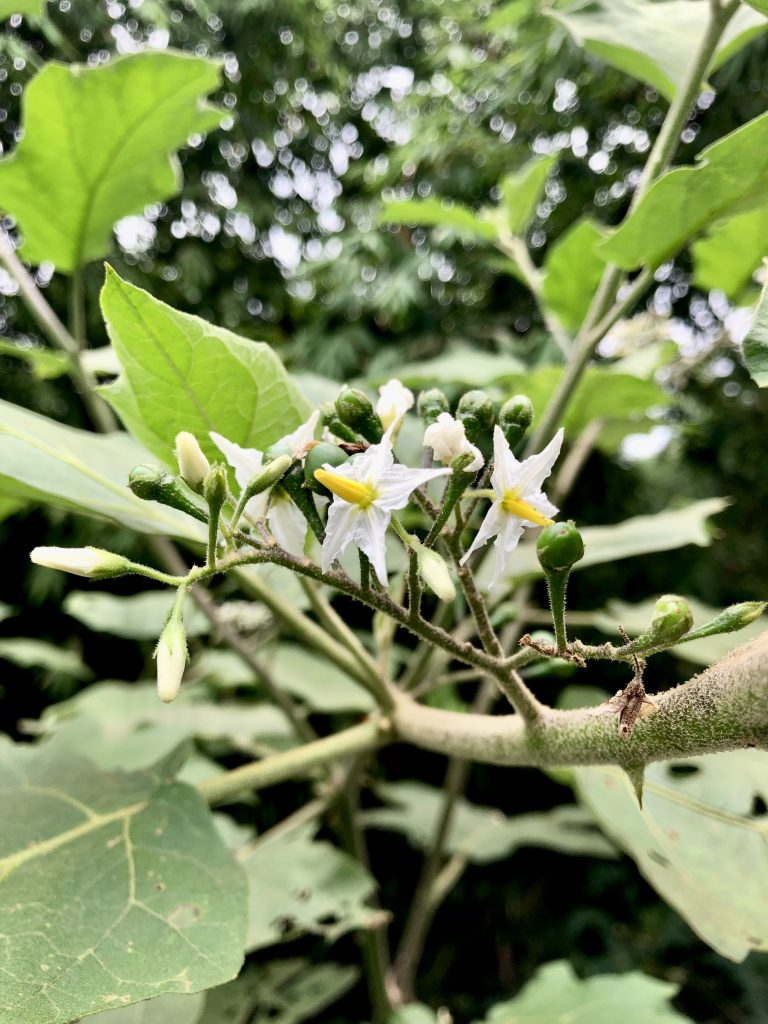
pixel 723 708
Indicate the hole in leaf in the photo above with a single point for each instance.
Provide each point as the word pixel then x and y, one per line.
pixel 683 769
pixel 759 807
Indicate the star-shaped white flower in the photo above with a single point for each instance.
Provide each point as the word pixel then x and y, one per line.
pixel 520 501
pixel 367 490
pixel 286 522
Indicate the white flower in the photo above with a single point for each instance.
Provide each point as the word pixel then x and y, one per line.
pixel 394 402
pixel 285 520
pixel 171 656
pixel 520 502
pixel 447 439
pixel 193 465
pixel 92 562
pixel 367 490
pixel 435 573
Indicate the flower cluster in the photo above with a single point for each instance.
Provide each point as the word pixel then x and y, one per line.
pixel 336 481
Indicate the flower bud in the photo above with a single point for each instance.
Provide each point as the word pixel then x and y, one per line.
pixel 193 465
pixel 354 409
pixel 171 656
pixel 334 424
pixel 269 475
pixel 430 404
pixel 94 563
pixel 515 417
pixel 394 402
pixel 448 440
pixel 435 574
pixel 737 616
pixel 559 547
pixel 671 619
pixel 215 488
pixel 475 410
pixel 152 484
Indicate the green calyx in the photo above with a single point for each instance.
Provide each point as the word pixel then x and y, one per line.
pixel 559 547
pixel 515 418
pixel 354 410
pixel 152 484
pixel 475 410
pixel 430 405
pixel 293 485
pixel 323 454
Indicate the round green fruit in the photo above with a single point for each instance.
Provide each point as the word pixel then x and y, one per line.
pixel 321 455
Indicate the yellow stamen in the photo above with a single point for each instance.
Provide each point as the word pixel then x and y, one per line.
pixel 350 490
pixel 512 504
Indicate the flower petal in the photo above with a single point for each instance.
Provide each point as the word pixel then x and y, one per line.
pixel 369 532
pixel 338 531
pixel 288 526
pixel 246 462
pixel 302 435
pixel 506 542
pixel 490 527
pixel 396 484
pixel 506 468
pixel 536 469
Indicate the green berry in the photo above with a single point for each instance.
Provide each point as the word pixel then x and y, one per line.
pixel 559 547
pixel 322 454
pixel 671 619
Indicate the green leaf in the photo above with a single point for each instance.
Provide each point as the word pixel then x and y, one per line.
pixel 521 193
pixel 44 363
pixel 67 184
pixel 29 8
pixel 555 994
pixel 483 834
pixel 756 343
pixel 730 253
pixel 729 177
pixel 43 461
pixel 640 535
pixel 29 652
pixel 138 617
pixel 278 992
pixel 440 213
pixel 701 840
pixel 655 42
pixel 634 618
pixel 461 364
pixel 414 1013
pixel 572 272
pixel 759 5
pixel 102 904
pixel 126 713
pixel 182 373
pixel 298 884
pixel 168 1009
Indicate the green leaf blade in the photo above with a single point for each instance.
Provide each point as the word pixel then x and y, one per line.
pixel 102 903
pixel 67 185
pixel 182 373
pixel 756 343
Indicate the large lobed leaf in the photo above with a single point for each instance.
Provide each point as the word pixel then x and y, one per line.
pixel 181 373
pixel 44 461
pixel 555 995
pixel 102 902
pixel 701 840
pixel 655 42
pixel 728 178
pixel 483 834
pixel 98 145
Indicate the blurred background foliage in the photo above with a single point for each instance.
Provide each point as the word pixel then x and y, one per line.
pixel 275 235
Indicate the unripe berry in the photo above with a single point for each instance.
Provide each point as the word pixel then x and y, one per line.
pixel 559 547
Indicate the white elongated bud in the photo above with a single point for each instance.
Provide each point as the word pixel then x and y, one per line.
pixel 447 438
pixel 171 657
pixel 435 574
pixel 95 563
pixel 394 402
pixel 193 465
